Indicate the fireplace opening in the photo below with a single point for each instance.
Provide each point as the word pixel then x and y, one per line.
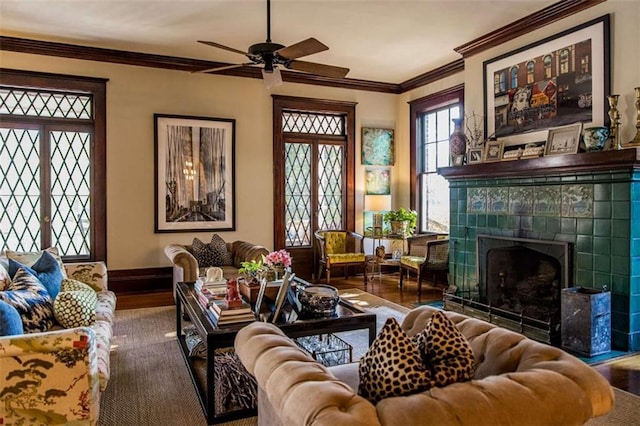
pixel 523 280
pixel 519 283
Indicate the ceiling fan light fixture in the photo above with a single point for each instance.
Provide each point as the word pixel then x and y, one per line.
pixel 272 79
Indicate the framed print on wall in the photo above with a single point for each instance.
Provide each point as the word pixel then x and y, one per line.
pixel 377 147
pixel 194 170
pixel 377 181
pixel 559 80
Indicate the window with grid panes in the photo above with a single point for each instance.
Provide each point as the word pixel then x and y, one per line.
pixel 52 176
pixel 433 118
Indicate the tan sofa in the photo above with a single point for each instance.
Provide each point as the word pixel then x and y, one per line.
pixel 517 382
pixel 186 268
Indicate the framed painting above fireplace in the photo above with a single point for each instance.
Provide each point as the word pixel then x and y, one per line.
pixel 559 80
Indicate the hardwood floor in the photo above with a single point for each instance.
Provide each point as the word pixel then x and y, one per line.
pixel 622 373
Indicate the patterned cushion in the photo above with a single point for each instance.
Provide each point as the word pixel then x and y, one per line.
pixel 31 300
pixel 445 351
pixel 10 321
pixel 221 255
pixel 212 254
pixel 46 269
pixel 392 366
pixel 31 257
pixel 75 305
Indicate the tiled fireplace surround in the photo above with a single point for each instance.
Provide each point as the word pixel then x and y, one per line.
pixel 591 200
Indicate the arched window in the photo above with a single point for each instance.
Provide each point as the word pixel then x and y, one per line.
pixel 564 61
pixel 514 77
pixel 530 72
pixel 547 61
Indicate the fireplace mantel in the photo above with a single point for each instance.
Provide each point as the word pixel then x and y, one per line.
pixel 556 164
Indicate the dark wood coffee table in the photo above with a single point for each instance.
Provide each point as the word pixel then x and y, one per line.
pixel 347 318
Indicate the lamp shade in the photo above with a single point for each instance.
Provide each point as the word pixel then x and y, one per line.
pixel 377 203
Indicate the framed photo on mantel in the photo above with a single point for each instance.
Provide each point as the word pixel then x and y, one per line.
pixel 194 169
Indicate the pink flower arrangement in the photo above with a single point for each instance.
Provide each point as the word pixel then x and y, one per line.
pixel 278 258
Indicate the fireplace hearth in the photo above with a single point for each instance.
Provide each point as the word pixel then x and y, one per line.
pixel 519 285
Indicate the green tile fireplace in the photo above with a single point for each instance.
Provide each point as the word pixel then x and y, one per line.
pixel 590 200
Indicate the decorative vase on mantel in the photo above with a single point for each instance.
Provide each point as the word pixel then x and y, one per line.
pixel 457 141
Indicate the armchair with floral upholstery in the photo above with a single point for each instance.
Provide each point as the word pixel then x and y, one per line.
pixel 56 377
pixel 340 248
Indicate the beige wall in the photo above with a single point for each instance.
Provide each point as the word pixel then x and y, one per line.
pixel 134 94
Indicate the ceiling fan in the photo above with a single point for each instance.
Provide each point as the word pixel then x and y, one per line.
pixel 271 55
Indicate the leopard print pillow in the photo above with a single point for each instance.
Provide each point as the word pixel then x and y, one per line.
pixel 392 366
pixel 221 255
pixel 445 351
pixel 213 254
pixel 202 253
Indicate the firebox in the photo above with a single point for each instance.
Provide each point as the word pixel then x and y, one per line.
pixel 519 285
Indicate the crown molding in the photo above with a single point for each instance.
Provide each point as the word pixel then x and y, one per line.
pixel 64 50
pixel 433 75
pixel 546 16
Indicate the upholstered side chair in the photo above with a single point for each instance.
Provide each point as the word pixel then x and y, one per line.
pixel 340 248
pixel 427 254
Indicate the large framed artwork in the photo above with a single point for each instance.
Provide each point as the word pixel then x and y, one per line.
pixel 194 168
pixel 561 80
pixel 377 147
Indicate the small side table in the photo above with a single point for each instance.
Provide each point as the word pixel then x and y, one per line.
pixel 375 264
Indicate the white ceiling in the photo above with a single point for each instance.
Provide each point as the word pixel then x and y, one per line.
pixel 381 40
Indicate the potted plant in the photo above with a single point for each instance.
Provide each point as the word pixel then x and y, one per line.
pixel 402 221
pixel 252 271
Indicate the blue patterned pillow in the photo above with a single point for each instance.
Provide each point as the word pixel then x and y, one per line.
pixel 32 301
pixel 46 269
pixel 10 321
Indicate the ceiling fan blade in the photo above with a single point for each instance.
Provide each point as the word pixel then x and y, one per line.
pixel 303 48
pixel 221 46
pixel 319 69
pixel 226 67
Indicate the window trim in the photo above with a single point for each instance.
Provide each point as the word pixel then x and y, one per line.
pixel 98 178
pixel 416 108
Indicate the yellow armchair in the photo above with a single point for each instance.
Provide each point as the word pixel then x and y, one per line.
pixel 339 248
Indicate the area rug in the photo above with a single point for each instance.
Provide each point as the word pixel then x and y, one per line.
pixel 150 384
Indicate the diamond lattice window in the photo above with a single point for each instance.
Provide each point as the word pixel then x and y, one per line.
pixel 45 171
pixel 298 194
pixel 330 194
pixel 45 104
pixel 313 123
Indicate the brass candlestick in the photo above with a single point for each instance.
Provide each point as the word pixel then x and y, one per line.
pixel 614 116
pixel 636 139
